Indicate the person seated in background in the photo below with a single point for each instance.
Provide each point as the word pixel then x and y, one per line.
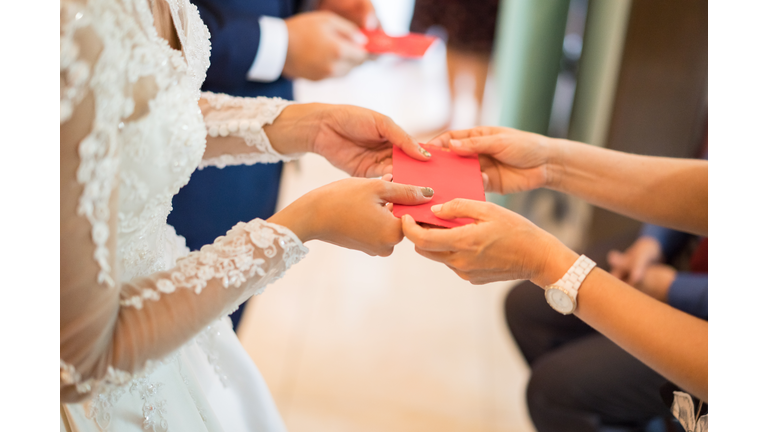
pixel 502 245
pixel 578 375
pixel 257 48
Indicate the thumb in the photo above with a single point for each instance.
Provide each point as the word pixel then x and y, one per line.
pixel 616 262
pixel 476 145
pixel 462 208
pixel 397 136
pixel 405 194
pixel 348 30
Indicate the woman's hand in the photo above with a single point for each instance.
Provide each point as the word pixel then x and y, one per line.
pixel 631 265
pixel 356 140
pixel 511 160
pixel 352 213
pixel 500 245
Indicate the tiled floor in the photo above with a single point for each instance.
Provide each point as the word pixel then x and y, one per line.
pixel 349 342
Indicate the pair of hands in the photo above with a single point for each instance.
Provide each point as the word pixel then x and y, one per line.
pixel 354 213
pixel 502 245
pixel 328 42
pixel 640 267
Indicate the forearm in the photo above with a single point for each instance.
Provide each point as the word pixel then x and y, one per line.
pixel 249 130
pixel 664 191
pixel 671 342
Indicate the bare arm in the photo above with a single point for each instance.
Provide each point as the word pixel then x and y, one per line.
pixel 664 191
pixel 502 245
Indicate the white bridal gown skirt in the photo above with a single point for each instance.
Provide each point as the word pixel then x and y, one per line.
pixel 209 384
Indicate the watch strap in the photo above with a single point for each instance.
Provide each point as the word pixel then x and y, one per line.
pixel 575 275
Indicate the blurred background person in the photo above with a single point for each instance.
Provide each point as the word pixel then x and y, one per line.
pixel 468 27
pixel 257 48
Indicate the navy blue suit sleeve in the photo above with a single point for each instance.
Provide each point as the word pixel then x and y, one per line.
pixel 234 42
pixel 671 241
pixel 689 294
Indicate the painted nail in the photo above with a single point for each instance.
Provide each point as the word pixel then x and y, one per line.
pixel 437 208
pixel 427 191
pixel 424 152
pixel 456 143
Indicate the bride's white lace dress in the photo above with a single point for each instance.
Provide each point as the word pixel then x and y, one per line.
pixel 143 342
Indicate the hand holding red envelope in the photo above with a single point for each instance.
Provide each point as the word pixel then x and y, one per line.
pixel 412 45
pixel 450 175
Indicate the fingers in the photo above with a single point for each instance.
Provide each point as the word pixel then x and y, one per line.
pixel 387 177
pixel 350 56
pixel 434 240
pixel 477 145
pixel 616 260
pixel 397 136
pixel 405 194
pixel 371 21
pixel 462 208
pixel 441 257
pixel 347 29
pixel 443 139
pixel 636 274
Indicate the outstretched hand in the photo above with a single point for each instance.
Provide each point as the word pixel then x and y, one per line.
pixel 500 245
pixel 356 140
pixel 359 141
pixel 353 213
pixel 511 160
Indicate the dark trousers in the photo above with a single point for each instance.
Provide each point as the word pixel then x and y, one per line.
pixel 580 380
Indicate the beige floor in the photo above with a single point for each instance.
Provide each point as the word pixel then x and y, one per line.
pixel 348 342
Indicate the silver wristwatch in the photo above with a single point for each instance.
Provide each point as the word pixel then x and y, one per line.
pixel 561 295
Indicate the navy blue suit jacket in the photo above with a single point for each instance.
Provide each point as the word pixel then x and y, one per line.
pixel 216 199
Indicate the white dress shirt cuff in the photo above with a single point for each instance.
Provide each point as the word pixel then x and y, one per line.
pixel 273 47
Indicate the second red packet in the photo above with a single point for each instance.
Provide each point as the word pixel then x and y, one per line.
pixel 412 45
pixel 450 175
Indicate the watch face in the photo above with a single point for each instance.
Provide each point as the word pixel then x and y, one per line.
pixel 559 300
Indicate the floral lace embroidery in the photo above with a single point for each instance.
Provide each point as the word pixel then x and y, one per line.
pixel 112 388
pixel 98 151
pixel 230 259
pixel 206 340
pixel 154 407
pixel 248 123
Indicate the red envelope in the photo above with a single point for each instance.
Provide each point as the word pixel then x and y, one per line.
pixel 413 45
pixel 450 175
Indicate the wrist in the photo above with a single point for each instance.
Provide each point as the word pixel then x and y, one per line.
pixel 295 129
pixel 557 259
pixel 555 150
pixel 297 217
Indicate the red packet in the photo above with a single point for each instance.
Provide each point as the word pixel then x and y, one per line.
pixel 412 45
pixel 450 175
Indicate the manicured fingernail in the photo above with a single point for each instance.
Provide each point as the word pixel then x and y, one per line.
pixel 427 191
pixel 424 152
pixel 437 208
pixel 456 143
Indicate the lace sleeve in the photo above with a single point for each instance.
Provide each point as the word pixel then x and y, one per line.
pixel 235 130
pixel 111 328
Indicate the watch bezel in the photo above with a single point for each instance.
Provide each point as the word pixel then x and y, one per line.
pixel 554 306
